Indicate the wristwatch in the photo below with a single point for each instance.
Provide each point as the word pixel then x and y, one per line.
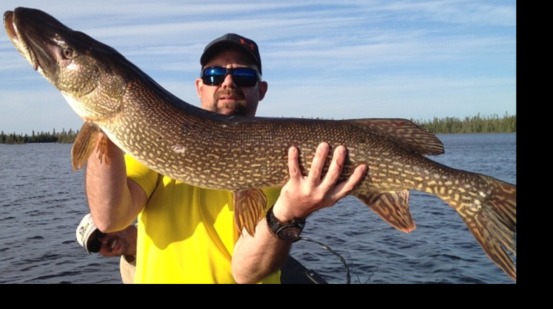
pixel 288 231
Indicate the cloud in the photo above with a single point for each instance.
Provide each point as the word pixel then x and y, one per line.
pixel 412 59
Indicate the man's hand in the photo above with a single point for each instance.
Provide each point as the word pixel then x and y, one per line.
pixel 303 195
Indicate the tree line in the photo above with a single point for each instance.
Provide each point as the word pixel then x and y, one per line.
pixel 474 124
pixel 39 137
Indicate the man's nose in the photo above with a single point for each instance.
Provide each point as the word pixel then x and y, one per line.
pixel 228 82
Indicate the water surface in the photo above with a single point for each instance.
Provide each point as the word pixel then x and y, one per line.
pixel 42 201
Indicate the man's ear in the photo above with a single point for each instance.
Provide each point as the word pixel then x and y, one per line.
pixel 199 84
pixel 263 86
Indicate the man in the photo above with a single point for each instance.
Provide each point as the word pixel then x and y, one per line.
pixel 121 243
pixel 186 234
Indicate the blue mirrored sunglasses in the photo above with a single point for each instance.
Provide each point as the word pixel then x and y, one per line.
pixel 242 77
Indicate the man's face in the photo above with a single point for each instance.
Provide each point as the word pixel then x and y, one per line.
pixel 228 98
pixel 118 243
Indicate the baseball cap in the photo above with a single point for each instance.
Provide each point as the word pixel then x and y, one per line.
pixel 231 40
pixel 85 230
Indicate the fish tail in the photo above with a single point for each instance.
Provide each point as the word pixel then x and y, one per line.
pixel 490 214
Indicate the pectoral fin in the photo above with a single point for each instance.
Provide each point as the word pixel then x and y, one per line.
pixel 392 207
pixel 84 145
pixel 249 208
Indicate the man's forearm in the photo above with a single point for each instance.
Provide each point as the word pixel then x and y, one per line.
pixel 256 257
pixel 107 189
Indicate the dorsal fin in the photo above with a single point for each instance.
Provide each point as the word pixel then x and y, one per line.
pixel 405 132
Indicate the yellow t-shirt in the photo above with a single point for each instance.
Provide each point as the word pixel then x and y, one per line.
pixel 185 233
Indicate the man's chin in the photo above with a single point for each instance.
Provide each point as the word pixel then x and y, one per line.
pixel 232 111
pixel 227 112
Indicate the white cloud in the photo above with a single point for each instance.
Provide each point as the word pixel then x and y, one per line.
pixel 411 59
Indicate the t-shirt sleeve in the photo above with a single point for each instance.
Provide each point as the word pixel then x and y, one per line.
pixel 272 195
pixel 142 175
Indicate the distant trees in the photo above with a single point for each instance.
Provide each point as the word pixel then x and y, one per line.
pixel 40 137
pixel 475 124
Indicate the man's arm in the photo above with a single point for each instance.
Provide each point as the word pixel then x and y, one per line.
pixel 114 200
pixel 256 257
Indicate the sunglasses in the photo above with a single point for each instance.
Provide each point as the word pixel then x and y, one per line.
pixel 242 77
pixel 95 244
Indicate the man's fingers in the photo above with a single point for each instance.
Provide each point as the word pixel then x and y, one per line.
pixel 345 187
pixel 318 163
pixel 293 163
pixel 336 165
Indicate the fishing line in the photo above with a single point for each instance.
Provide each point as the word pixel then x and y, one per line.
pixel 348 276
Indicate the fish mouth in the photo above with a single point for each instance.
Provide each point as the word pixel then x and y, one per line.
pixel 10 27
pixel 10 24
pixel 36 37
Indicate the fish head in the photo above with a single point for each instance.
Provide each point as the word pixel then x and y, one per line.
pixel 80 67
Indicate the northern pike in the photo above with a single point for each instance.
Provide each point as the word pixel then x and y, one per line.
pixel 243 154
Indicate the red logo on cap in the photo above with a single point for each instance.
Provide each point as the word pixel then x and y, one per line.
pixel 242 41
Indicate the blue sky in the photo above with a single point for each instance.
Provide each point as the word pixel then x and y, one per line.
pixel 326 59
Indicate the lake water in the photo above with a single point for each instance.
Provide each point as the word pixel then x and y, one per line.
pixel 42 200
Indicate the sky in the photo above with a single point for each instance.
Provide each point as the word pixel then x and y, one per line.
pixel 322 59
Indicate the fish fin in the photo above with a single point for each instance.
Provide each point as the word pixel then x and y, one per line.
pixel 405 132
pixel 84 144
pixel 392 207
pixel 249 208
pixel 494 223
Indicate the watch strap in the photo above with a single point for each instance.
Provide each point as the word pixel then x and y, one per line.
pixel 280 229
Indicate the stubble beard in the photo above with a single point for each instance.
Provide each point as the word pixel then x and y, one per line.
pixel 238 107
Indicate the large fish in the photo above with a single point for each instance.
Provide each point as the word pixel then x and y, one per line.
pixel 243 155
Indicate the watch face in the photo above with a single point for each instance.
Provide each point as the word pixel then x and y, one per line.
pixel 289 233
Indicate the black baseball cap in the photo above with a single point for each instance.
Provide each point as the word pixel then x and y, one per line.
pixel 231 40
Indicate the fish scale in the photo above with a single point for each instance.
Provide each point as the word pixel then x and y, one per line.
pixel 243 155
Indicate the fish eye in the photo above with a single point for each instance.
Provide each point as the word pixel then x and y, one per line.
pixel 67 52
